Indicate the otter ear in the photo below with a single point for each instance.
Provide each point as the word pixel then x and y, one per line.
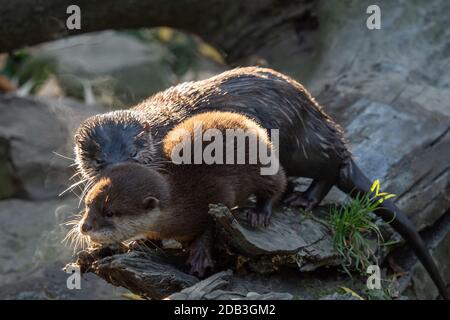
pixel 150 203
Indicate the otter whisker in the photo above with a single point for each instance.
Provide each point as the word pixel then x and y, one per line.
pixel 63 156
pixel 74 175
pixel 69 236
pixel 71 222
pixel 86 189
pixel 70 188
pixel 74 218
pixel 77 240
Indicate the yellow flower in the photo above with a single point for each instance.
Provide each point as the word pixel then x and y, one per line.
pixel 383 195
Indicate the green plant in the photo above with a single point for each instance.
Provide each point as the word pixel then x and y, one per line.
pixel 352 227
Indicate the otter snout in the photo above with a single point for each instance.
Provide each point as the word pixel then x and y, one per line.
pixel 87 223
pixel 86 227
pixel 96 227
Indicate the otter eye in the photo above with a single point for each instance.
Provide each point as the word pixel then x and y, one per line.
pixel 98 162
pixel 109 214
pixel 134 154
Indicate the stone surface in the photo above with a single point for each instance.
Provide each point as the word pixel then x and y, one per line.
pixel 33 131
pixel 439 237
pixel 217 287
pixel 288 232
pixel 293 238
pixel 148 274
pixel 389 89
pixel 406 148
pixel 337 296
pixel 9 183
pixel 32 254
pixel 120 69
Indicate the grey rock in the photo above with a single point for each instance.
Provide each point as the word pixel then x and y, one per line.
pixel 35 130
pixel 292 238
pixel 219 287
pixel 205 288
pixel 32 253
pixel 9 183
pixel 439 239
pixel 398 144
pixel 119 68
pixel 337 296
pixel 286 234
pixel 148 274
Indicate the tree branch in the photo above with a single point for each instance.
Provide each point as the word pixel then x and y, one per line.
pixel 230 25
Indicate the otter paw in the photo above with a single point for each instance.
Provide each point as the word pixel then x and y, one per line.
pixel 199 260
pixel 258 218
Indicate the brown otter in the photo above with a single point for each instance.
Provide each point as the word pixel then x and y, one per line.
pixel 311 143
pixel 133 201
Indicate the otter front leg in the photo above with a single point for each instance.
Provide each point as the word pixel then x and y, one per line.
pixel 312 196
pixel 270 189
pixel 200 254
pixel 260 215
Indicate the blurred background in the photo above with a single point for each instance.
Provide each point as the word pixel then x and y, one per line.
pixel 389 87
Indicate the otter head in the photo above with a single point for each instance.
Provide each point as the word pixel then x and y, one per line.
pixel 126 203
pixel 110 138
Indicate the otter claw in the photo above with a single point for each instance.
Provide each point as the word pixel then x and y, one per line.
pixel 199 260
pixel 258 219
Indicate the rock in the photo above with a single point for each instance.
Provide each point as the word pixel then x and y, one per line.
pixel 394 106
pixel 206 287
pixel 9 182
pixel 32 130
pixel 292 238
pixel 33 254
pixel 439 239
pixel 120 69
pixel 388 90
pixel 25 227
pixel 217 287
pixel 286 234
pixel 149 274
pixel 380 136
pixel 337 296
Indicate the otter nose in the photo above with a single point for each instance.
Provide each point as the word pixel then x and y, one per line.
pixel 86 227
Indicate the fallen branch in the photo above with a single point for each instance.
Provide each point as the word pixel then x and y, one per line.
pixel 155 274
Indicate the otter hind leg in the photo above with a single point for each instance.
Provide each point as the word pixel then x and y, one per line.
pixel 312 196
pixel 200 258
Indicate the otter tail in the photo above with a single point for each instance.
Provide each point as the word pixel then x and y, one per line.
pixel 353 181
